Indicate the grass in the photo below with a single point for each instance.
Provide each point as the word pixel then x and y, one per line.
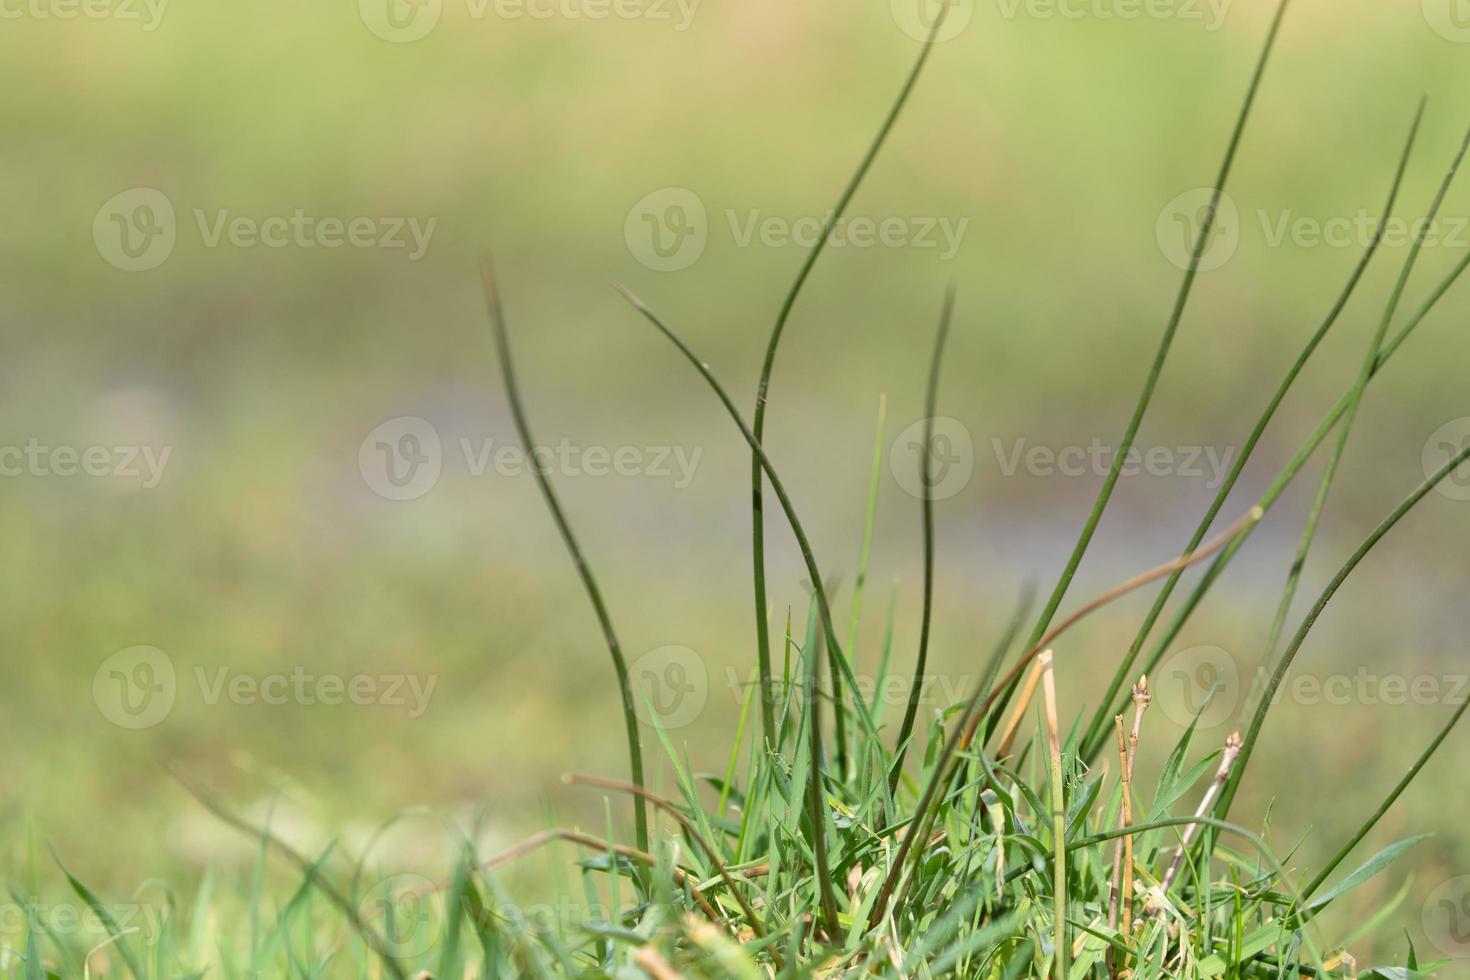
pixel 935 850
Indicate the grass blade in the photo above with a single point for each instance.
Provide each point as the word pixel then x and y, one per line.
pixel 1096 731
pixel 926 505
pixel 589 581
pixel 758 426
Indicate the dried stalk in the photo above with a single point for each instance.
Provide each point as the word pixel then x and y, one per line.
pixel 1233 745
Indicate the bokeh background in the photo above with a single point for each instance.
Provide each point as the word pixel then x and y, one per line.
pixel 1059 139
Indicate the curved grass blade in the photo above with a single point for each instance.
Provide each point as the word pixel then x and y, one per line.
pixel 589 581
pixel 926 505
pixel 307 867
pixel 758 426
pixel 1167 341
pixel 1355 398
pixel 819 591
pixel 1269 694
pixel 975 708
pixel 1383 808
pixel 104 915
pixel 1095 729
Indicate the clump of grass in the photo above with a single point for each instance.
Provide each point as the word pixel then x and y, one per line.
pixel 971 856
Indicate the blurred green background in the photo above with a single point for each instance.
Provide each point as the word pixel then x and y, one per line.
pixel 1058 135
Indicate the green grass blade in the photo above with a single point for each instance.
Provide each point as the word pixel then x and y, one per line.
pixel 1170 329
pixel 926 506
pixel 1269 694
pixel 758 427
pixel 1096 729
pixel 584 570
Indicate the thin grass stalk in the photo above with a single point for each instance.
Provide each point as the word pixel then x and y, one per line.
pixel 1383 808
pixel 308 867
pixel 1125 668
pixel 980 702
pixel 1355 398
pixel 819 592
pixel 1125 817
pixel 816 805
pixel 584 570
pixel 869 520
pixel 1166 342
pixel 1227 759
pixel 926 507
pixel 1058 812
pixel 617 786
pixel 758 427
pixel 1269 694
pixel 1285 478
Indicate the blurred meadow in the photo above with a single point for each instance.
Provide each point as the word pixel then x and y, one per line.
pixel 1053 140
